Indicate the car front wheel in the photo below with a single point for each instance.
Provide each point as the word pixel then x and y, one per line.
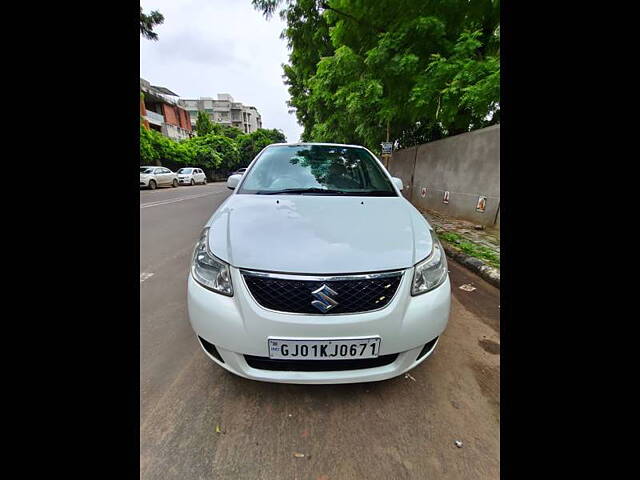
pixel 152 185
pixel 175 183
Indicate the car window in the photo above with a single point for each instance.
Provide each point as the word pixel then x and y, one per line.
pixel 317 169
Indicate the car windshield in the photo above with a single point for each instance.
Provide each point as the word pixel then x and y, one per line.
pixel 317 170
pixel 146 170
pixel 185 170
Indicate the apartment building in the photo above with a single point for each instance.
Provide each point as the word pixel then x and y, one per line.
pixel 160 110
pixel 224 110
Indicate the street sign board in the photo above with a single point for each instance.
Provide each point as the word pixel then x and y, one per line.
pixel 387 148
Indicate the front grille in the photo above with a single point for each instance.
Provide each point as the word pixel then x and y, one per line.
pixel 266 363
pixel 293 294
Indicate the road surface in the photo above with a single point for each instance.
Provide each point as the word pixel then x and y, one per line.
pixel 198 421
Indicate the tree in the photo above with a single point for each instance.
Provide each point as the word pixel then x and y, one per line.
pixel 226 130
pixel 204 126
pixel 148 22
pixel 425 68
pixel 216 153
pixel 250 144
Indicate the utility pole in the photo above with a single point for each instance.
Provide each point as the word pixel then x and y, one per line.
pixel 388 141
pixel 387 148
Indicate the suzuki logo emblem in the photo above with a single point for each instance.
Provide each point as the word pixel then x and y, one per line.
pixel 324 302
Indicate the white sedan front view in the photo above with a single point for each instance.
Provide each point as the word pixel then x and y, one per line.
pixel 317 270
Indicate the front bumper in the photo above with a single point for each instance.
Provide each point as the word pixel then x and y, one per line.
pixel 184 181
pixel 144 182
pixel 239 326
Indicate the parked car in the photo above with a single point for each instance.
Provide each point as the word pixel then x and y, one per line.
pixel 240 171
pixel 191 176
pixel 317 270
pixel 153 177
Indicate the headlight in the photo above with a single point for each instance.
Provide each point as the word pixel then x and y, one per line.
pixel 208 270
pixel 432 271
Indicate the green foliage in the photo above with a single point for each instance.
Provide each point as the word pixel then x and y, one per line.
pixel 226 130
pixel 251 144
pixel 470 248
pixel 428 68
pixel 148 152
pixel 147 22
pixel 214 152
pixel 204 125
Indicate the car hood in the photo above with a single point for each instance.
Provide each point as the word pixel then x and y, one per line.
pixel 318 234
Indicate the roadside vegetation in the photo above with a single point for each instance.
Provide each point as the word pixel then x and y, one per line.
pixel 418 69
pixel 470 248
pixel 218 150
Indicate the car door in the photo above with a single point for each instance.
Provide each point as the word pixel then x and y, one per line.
pixel 158 176
pixel 200 176
pixel 167 175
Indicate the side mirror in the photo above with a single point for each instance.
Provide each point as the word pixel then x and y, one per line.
pixel 233 180
pixel 398 182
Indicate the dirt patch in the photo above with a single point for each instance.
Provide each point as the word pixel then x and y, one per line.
pixel 488 379
pixel 489 346
pixel 483 302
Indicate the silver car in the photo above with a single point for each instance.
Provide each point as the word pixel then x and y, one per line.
pixel 153 177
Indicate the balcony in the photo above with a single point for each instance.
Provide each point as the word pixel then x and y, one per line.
pixel 155 118
pixel 175 132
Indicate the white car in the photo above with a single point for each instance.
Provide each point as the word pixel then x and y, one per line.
pixel 317 270
pixel 191 176
pixel 154 177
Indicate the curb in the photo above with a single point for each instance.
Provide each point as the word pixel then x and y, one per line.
pixel 487 272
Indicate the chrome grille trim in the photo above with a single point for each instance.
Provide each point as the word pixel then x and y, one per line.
pixel 323 278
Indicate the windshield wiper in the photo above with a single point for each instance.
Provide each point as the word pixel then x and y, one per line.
pixel 375 193
pixel 300 191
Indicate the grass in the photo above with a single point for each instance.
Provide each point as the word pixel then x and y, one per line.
pixel 477 251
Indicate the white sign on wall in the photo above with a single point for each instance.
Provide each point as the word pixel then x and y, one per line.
pixel 481 205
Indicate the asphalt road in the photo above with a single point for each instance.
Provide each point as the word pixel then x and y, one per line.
pixel 403 428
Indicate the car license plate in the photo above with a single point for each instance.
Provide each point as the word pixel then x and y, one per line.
pixel 334 349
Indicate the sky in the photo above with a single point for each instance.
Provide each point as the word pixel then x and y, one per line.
pixel 206 47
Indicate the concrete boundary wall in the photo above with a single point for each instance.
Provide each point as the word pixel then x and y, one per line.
pixel 466 165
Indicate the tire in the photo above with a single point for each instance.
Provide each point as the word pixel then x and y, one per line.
pixel 152 185
pixel 204 182
pixel 174 184
pixel 193 182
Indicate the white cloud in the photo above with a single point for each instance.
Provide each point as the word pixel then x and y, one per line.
pixel 207 47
